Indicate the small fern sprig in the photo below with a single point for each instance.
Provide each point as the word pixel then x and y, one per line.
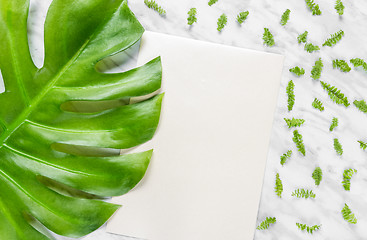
pixel 297 139
pixel 347 176
pixel 285 17
pixel 268 38
pixel 302 38
pixel 191 19
pixel 334 38
pixel 309 229
pixel 266 223
pixel 290 94
pixel 309 47
pixel 338 147
pixel 363 145
pixel 278 186
pixel 153 5
pixel 314 8
pixel 211 2
pixel 242 16
pixel 317 69
pixel 334 124
pixel 317 176
pixel 285 157
pixel 222 22
pixel 348 215
pixel 297 71
pixel 339 7
pixel 335 94
pixel 294 122
pixel 318 105
pixel 357 62
pixel 341 65
pixel 361 105
pixel 302 193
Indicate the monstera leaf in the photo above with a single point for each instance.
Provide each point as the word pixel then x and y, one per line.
pixel 55 167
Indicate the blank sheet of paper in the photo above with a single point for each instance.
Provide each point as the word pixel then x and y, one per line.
pixel 205 178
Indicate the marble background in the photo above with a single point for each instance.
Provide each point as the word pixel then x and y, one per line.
pixel 325 209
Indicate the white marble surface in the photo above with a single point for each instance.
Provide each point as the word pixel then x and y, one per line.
pixel 296 173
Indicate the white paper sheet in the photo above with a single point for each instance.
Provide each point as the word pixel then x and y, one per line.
pixel 204 181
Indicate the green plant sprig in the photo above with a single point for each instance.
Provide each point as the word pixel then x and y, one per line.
pixel 266 223
pixel 335 94
pixel 310 48
pixel 211 2
pixel 222 22
pixel 285 17
pixel 318 105
pixel 358 62
pixel 363 145
pixel 341 65
pixel 242 16
pixel 268 38
pixel 297 139
pixel 297 71
pixel 309 229
pixel 290 94
pixel 294 122
pixel 348 215
pixel 317 69
pixel 302 38
pixel 338 147
pixel 361 105
pixel 347 176
pixel 191 19
pixel 317 176
pixel 153 5
pixel 334 38
pixel 339 7
pixel 334 124
pixel 314 8
pixel 285 157
pixel 303 193
pixel 278 186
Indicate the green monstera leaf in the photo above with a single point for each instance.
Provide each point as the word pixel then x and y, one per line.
pixel 55 167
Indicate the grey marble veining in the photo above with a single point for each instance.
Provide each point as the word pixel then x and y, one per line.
pixel 325 209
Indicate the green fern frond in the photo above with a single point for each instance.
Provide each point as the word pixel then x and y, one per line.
pixel 278 186
pixel 341 65
pixel 153 5
pixel 285 156
pixel 268 37
pixel 317 69
pixel 302 38
pixel 334 124
pixel 335 94
pixel 309 47
pixel 338 147
pixel 309 229
pixel 266 223
pixel 297 139
pixel 347 176
pixel 222 22
pixel 211 2
pixel 357 62
pixel 285 17
pixel 318 104
pixel 361 105
pixel 348 215
pixel 191 19
pixel 291 96
pixel 302 193
pixel 334 38
pixel 339 7
pixel 314 8
pixel 317 176
pixel 242 16
pixel 297 71
pixel 294 122
pixel 363 145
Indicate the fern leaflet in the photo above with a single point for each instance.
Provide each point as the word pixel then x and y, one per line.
pixel 334 38
pixel 266 223
pixel 278 186
pixel 153 5
pixel 314 8
pixel 339 7
pixel 309 229
pixel 297 71
pixel 211 2
pixel 309 47
pixel 335 94
pixel 347 176
pixel 334 124
pixel 222 22
pixel 268 38
pixel 338 147
pixel 317 176
pixel 348 215
pixel 242 16
pixel 285 17
pixel 291 96
pixel 285 156
pixel 302 193
pixel 302 38
pixel 318 104
pixel 317 69
pixel 361 105
pixel 363 145
pixel 294 122
pixel 357 62
pixel 341 65
pixel 191 19
pixel 297 139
